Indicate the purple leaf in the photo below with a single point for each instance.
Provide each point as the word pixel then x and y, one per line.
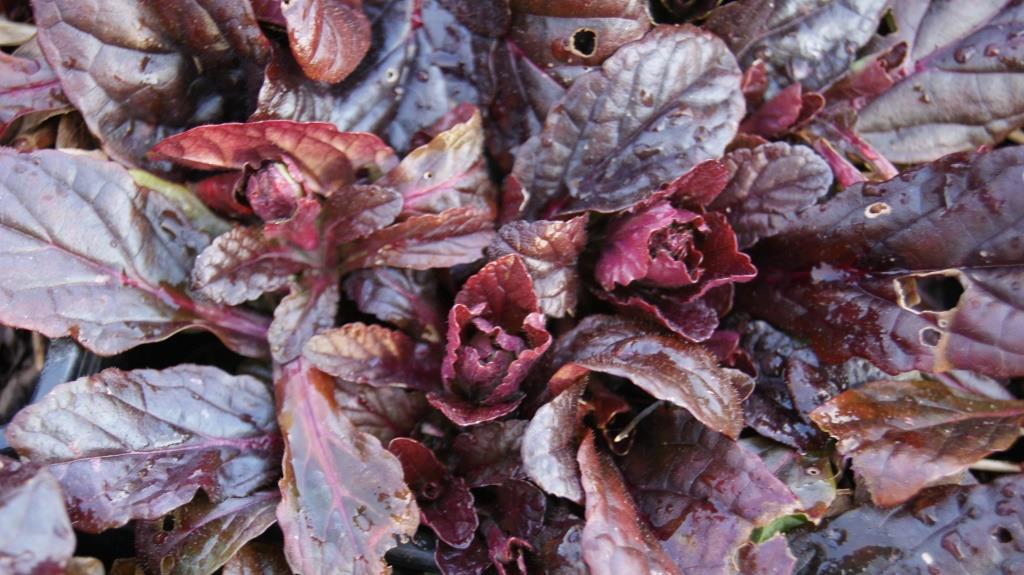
pixel 495 334
pixel 328 37
pixel 357 211
pixel 202 536
pixel 307 310
pixel 383 412
pixel 343 497
pixel 551 443
pixel 615 538
pixel 406 298
pixel 673 118
pixel 453 237
pixel 445 502
pixel 906 435
pixel 374 355
pixel 967 529
pixel 113 275
pixel 27 85
pixel 664 366
pixel 39 539
pixel 257 559
pixel 489 453
pixel 772 557
pixel 242 265
pixel 549 250
pixel 154 69
pixel 137 444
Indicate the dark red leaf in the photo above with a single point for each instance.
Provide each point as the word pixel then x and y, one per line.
pixel 615 538
pixel 906 435
pixel 38 537
pixel 328 37
pixel 113 275
pixel 343 497
pixel 374 355
pixel 137 444
pixel 664 366
pixel 203 536
pixel 490 453
pixel 176 66
pixel 445 502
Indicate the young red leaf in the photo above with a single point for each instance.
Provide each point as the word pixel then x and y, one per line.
pixel 496 333
pixel 374 355
pixel 326 157
pixel 664 366
pixel 906 435
pixel 176 66
pixel 137 444
pixel 966 529
pixel 655 109
pixel 328 37
pixel 343 497
pixel 615 538
pixel 38 538
pixel 549 250
pixel 445 502
pixel 200 537
pixel 113 275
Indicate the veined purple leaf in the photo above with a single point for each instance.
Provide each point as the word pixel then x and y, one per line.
pixel 448 172
pixel 453 237
pixel 344 502
pixel 202 536
pixel 906 435
pixel 27 85
pixel 551 442
pixel 112 276
pixel 953 95
pixel 38 536
pixel 328 37
pixel 307 310
pixel 616 538
pixel 407 299
pixel 137 444
pixel 549 250
pixel 664 366
pixel 242 265
pixel 769 184
pixel 375 355
pixel 326 157
pixel 258 559
pixel 445 502
pixel 702 492
pixel 354 212
pixel 140 72
pixel 966 529
pixel 638 122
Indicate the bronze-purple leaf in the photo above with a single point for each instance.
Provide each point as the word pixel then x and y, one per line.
pixel 407 299
pixel 551 443
pixel 344 501
pixel 383 412
pixel 308 309
pixel 38 538
pixel 27 85
pixel 490 453
pixel 201 536
pixel 906 435
pixel 328 37
pixel 375 355
pixel 112 276
pixel 137 444
pixel 242 265
pixel 663 365
pixel 616 538
pixel 258 559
